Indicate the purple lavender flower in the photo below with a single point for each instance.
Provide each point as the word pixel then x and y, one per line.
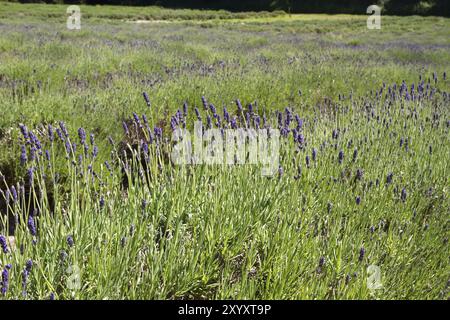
pixel 185 109
pixel 147 99
pixel 25 274
pixel 239 105
pixel 59 133
pixel 102 202
pixel 213 109
pixel 23 155
pixel 355 154
pixel 29 265
pixel 257 122
pixel 389 177
pixel 24 131
pixel 205 103
pixel 307 161
pixel 125 128
pixel 359 174
pixel 314 154
pixel 33 153
pixel 250 108
pixel 14 193
pixel 299 121
pixel 95 152
pixel 226 115
pixel 3 244
pixel 68 147
pixel 347 278
pixel 5 280
pixel 108 166
pixel 358 200
pixel 47 155
pixel 31 225
pixel 280 119
pixel 284 132
pixel 30 174
pixel 321 261
pixel 287 121
pixel 158 132
pixel 335 134
pixel 63 256
pixel 280 171
pixel 197 113
pixel 294 134
pixel 173 123
pixel 145 147
pixel 52 296
pixel 70 241
pixel 234 123
pixel 82 135
pixel 362 253
pixel 144 118
pixel 144 204
pixel 62 125
pixel 92 138
pixel 404 195
pixel 51 135
pixel 137 120
pixel 35 141
pixel 341 156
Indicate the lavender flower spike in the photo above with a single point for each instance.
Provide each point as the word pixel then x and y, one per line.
pixel 31 226
pixel 5 280
pixel 147 99
pixel 3 244
pixel 341 156
pixel 70 241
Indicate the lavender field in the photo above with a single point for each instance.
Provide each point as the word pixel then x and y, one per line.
pixel 93 206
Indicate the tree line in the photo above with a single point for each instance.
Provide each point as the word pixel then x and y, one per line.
pixel 393 7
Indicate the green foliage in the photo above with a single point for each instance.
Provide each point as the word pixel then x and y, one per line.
pixel 215 231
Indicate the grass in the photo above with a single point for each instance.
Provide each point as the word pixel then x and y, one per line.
pixel 219 232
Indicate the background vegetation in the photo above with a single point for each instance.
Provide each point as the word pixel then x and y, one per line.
pixel 392 7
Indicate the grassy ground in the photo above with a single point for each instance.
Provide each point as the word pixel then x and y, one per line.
pixel 216 232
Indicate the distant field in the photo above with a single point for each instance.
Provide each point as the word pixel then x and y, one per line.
pixel 211 231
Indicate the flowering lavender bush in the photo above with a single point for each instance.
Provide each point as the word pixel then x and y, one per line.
pixel 93 206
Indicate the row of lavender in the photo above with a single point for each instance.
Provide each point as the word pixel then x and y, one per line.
pixel 25 200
